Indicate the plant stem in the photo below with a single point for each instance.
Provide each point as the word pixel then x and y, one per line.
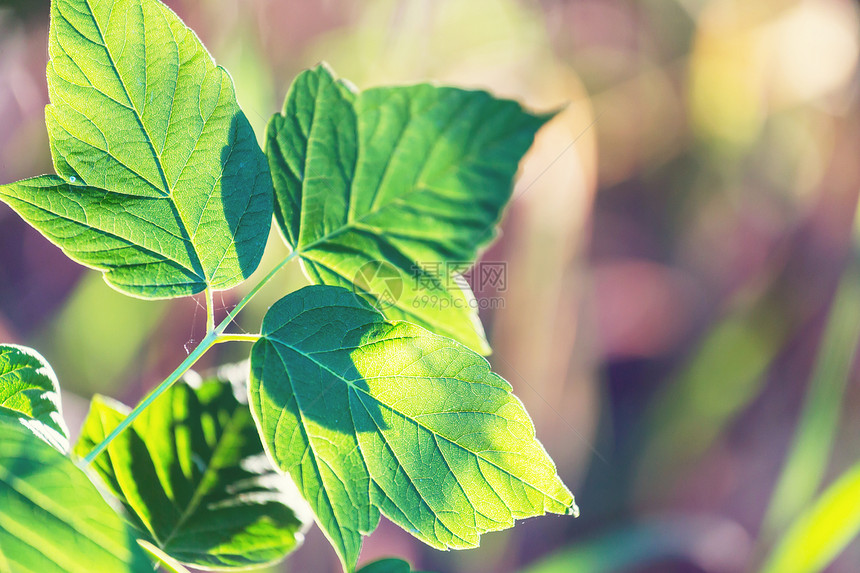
pixel 214 336
pixel 237 338
pixel 242 303
pixel 210 311
pixel 189 361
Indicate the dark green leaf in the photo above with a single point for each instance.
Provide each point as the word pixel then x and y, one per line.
pixel 52 519
pixel 30 394
pixel 388 566
pixel 371 416
pixel 389 190
pixel 161 184
pixel 193 476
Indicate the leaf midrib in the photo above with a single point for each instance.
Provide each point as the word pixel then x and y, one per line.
pixel 167 191
pixel 200 491
pixel 439 325
pixel 415 488
pixel 314 457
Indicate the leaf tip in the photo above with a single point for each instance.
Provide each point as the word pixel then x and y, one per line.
pixel 325 69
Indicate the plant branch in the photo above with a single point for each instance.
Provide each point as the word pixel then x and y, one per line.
pixel 237 338
pixel 189 361
pixel 212 337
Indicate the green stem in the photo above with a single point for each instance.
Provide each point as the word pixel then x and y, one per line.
pixel 210 311
pixel 189 361
pixel 214 336
pixel 237 338
pixel 242 303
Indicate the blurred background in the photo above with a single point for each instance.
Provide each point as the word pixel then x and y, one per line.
pixel 682 306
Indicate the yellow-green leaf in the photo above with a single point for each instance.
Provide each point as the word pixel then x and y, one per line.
pixel 52 518
pixel 30 395
pixel 372 416
pixel 160 182
pixel 820 533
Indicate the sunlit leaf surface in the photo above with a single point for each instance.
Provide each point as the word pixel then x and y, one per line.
pixel 160 182
pixel 30 394
pixel 52 518
pixel 371 416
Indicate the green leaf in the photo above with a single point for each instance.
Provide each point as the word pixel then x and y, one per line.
pixel 52 518
pixel 193 476
pixel 163 559
pixel 30 394
pixel 389 190
pixel 388 566
pixel 161 183
pixel 819 534
pixel 371 416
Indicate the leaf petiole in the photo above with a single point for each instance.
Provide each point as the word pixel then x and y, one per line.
pixel 210 311
pixel 214 336
pixel 237 338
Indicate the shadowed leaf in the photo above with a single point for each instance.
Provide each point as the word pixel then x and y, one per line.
pixel 371 416
pixel 193 476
